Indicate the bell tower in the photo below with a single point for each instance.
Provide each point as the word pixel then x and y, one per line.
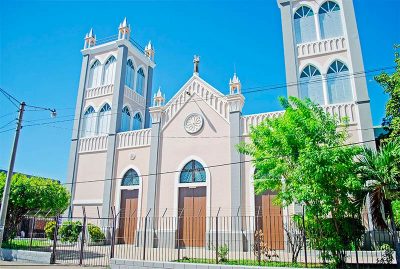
pixel 323 60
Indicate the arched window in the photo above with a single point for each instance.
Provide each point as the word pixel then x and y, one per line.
pixel 140 81
pixel 125 119
pixel 89 122
pixel 311 84
pixel 304 24
pixel 137 122
pixel 339 86
pixel 130 74
pixel 330 20
pixel 109 71
pixel 104 119
pixel 131 178
pixel 95 75
pixel 192 172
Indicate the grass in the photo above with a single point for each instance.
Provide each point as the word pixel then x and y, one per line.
pixel 25 244
pixel 249 262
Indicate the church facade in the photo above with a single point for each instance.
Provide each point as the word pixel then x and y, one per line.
pixel 136 153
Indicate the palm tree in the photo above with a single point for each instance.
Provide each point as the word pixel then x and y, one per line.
pixel 380 171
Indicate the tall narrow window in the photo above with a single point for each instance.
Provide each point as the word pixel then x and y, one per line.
pixel 304 24
pixel 131 178
pixel 89 122
pixel 311 84
pixel 104 119
pixel 140 81
pixel 125 119
pixel 95 75
pixel 109 71
pixel 137 122
pixel 339 85
pixel 130 74
pixel 330 20
pixel 192 172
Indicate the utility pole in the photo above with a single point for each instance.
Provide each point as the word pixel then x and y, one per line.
pixel 6 192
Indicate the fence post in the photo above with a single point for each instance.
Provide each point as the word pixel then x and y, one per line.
pixel 145 235
pixel 178 232
pixel 395 237
pixel 55 234
pixel 114 223
pixel 216 236
pixel 83 235
pixel 31 236
pixel 304 238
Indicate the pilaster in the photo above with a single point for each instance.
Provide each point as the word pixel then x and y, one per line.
pixel 152 183
pixel 147 119
pixel 236 102
pixel 73 152
pixel 290 47
pixel 115 122
pixel 365 125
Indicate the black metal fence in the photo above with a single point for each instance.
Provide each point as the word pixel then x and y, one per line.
pixel 272 240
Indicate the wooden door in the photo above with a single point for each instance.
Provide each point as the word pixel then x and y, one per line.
pixel 270 220
pixel 192 217
pixel 128 216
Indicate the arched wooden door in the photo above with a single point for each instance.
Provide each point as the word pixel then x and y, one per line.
pixel 192 217
pixel 128 216
pixel 269 219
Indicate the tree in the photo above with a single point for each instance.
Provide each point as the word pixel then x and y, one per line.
pixel 391 86
pixel 380 170
pixel 32 194
pixel 302 156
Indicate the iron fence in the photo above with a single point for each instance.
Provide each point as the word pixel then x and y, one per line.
pixel 273 240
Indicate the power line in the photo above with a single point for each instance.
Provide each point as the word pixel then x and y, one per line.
pixel 11 98
pixel 256 89
pixel 208 167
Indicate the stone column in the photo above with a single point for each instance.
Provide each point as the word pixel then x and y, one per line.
pixel 115 122
pixel 73 152
pixel 236 102
pixel 365 126
pixel 290 47
pixel 147 119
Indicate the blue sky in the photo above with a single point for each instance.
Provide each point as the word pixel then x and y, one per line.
pixel 40 43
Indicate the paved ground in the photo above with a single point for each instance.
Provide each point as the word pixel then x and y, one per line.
pixel 20 265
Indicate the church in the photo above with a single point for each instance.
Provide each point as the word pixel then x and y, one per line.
pixel 135 153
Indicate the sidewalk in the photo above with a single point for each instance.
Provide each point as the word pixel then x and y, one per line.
pixel 21 265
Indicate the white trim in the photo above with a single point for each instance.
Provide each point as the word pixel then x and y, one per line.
pixel 206 184
pixel 117 202
pixel 88 202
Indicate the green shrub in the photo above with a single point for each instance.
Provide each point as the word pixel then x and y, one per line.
pixel 95 233
pixel 223 253
pixel 387 255
pixel 70 230
pixel 49 229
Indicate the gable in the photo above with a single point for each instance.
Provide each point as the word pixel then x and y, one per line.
pixel 199 90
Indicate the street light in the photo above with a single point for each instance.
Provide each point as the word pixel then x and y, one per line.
pixel 6 192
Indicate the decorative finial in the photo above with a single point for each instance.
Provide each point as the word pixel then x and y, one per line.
pixel 124 30
pixel 235 86
pixel 196 61
pixel 149 51
pixel 90 39
pixel 159 98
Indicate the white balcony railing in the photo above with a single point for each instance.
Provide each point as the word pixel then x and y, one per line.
pixel 94 143
pixel 134 96
pixel 99 91
pixel 321 47
pixel 132 139
pixel 343 110
pixel 256 119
